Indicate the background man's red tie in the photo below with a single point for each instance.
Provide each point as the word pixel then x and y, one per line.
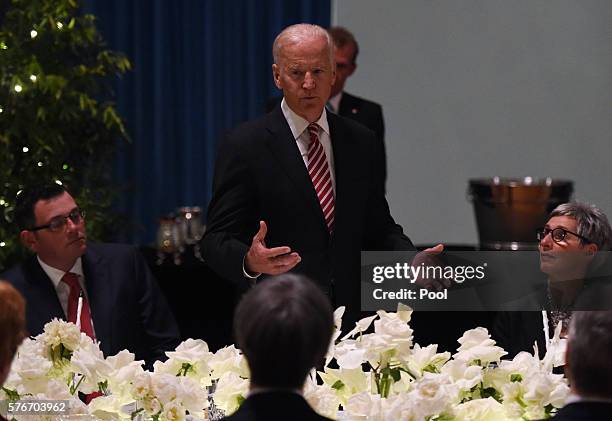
pixel 72 280
pixel 320 175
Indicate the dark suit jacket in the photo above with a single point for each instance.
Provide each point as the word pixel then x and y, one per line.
pixel 127 306
pixel 583 411
pixel 516 331
pixel 260 175
pixel 362 111
pixel 273 406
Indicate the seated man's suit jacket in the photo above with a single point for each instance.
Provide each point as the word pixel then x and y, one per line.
pixel 275 406
pixel 127 306
pixel 260 175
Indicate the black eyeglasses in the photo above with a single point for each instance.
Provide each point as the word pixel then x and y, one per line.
pixel 59 222
pixel 557 234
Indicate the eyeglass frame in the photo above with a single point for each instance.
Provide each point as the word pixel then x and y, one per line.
pixel 76 216
pixel 545 231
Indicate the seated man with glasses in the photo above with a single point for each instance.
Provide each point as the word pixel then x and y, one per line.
pixel 105 289
pixel 572 247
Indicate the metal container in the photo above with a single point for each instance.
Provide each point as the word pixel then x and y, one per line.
pixel 509 210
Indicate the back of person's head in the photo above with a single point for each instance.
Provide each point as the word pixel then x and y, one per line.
pixel 342 37
pixel 283 326
pixel 12 325
pixel 591 222
pixel 27 199
pixel 589 354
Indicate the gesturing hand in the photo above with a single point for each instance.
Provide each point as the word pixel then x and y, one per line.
pixel 428 258
pixel 271 261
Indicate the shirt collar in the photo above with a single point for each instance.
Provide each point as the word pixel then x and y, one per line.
pixel 56 275
pixel 298 124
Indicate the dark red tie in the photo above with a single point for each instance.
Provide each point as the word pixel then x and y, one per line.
pixel 318 168
pixel 72 280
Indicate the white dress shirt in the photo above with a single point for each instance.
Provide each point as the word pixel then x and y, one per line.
pixel 299 129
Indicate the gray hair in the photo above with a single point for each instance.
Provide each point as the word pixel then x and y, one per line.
pixel 300 32
pixel 592 223
pixel 590 342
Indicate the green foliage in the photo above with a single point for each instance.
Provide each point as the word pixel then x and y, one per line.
pixel 57 121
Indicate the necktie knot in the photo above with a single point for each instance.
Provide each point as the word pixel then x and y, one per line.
pixel 72 280
pixel 313 130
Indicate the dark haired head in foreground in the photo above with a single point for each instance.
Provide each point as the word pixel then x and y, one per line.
pixel 283 327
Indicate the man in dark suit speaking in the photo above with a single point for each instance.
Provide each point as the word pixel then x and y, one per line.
pixel 300 189
pixel 105 289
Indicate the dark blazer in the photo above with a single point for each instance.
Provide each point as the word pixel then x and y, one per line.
pixel 127 306
pixel 275 406
pixel 583 411
pixel 260 175
pixel 516 331
pixel 366 112
pixel 362 111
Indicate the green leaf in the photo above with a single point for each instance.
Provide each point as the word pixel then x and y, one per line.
pixel 12 395
pixel 396 375
pixel 491 392
pixel 338 385
pixel 516 378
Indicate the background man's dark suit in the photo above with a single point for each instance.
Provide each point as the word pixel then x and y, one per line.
pixel 362 111
pixel 272 406
pixel 366 112
pixel 128 309
pixel 260 175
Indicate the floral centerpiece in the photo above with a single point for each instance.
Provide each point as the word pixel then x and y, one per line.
pixel 374 372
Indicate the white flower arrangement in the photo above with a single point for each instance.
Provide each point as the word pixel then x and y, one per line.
pixel 378 375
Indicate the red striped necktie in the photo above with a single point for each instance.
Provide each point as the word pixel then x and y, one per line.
pixel 72 280
pixel 319 172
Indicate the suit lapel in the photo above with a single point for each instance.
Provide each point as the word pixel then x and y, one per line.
pixel 284 149
pixel 44 301
pixel 96 272
pixel 343 160
pixel 347 105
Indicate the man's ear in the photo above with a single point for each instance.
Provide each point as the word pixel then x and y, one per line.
pixel 28 239
pixel 276 75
